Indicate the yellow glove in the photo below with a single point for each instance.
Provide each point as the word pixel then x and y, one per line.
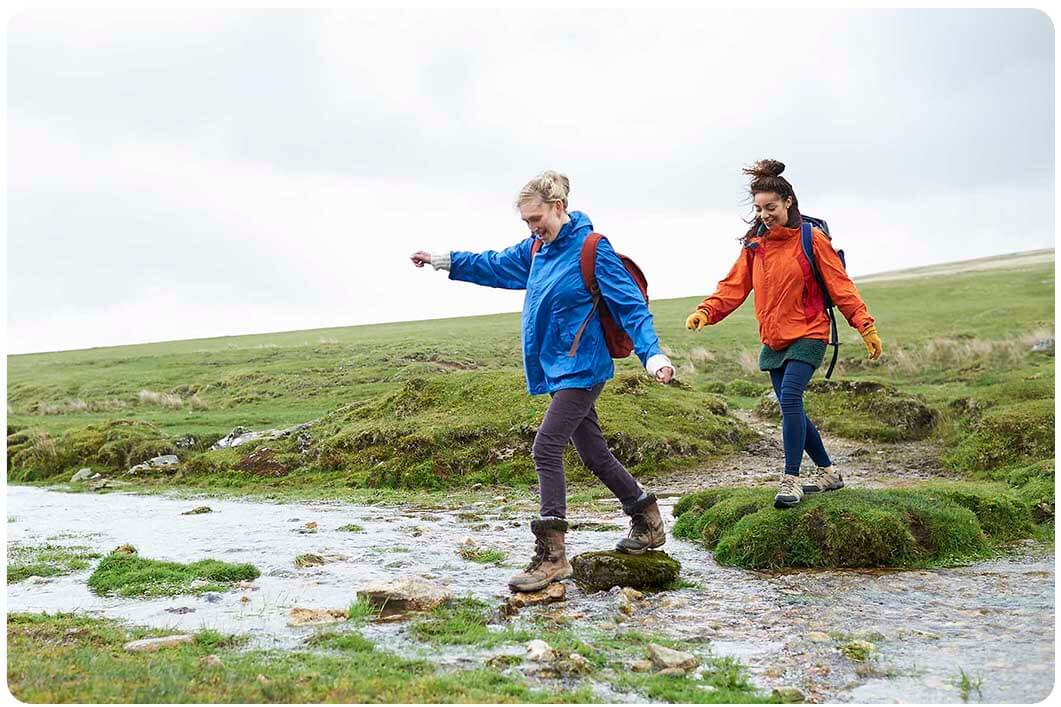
pixel 873 343
pixel 697 320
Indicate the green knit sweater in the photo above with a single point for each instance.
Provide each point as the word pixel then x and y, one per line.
pixel 810 351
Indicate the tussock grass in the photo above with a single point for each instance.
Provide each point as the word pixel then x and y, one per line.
pixel 70 658
pixel 924 525
pixel 24 561
pixel 164 400
pixel 129 575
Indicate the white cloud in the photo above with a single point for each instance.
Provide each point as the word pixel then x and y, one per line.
pixel 177 175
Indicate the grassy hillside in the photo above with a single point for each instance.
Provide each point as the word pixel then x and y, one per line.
pixel 442 402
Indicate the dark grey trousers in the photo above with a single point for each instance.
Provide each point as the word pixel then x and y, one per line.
pixel 572 417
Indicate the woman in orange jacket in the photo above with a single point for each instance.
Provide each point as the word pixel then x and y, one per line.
pixel 793 325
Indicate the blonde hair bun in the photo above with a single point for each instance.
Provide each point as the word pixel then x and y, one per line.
pixel 549 186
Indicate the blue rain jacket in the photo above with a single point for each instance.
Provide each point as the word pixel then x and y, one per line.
pixel 557 303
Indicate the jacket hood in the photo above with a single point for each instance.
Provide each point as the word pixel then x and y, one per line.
pixel 578 221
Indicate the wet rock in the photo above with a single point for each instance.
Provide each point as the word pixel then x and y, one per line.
pixel 180 610
pixel 677 672
pixel 788 694
pixel 150 645
pixel 858 650
pixel 246 584
pixel 211 661
pixel 198 510
pixel 641 666
pixel 302 617
pixel 82 475
pixel 663 658
pixel 211 597
pixel 242 435
pixel 159 462
pixel 403 595
pixel 603 570
pixel 555 592
pixel 35 579
pixel 540 652
pixel 311 559
pixel 101 484
pixel 124 550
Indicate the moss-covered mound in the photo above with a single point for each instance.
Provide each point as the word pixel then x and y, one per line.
pixel 1007 436
pixel 127 574
pixel 861 410
pixel 931 524
pixel 604 570
pixel 34 454
pixel 479 427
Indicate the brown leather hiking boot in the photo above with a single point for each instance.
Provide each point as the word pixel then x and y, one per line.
pixel 646 527
pixel 549 563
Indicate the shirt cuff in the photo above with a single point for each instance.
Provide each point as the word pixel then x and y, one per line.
pixel 657 362
pixel 440 262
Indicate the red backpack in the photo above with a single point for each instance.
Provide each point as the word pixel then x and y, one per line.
pixel 619 343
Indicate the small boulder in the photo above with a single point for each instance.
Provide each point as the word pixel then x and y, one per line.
pixel 664 658
pixel 403 595
pixel 302 617
pixel 553 593
pixel 211 661
pixel 82 475
pixel 311 559
pixel 604 570
pixel 198 510
pixel 641 666
pixel 676 672
pixel 150 645
pixel 788 694
pixel 124 550
pixel 540 652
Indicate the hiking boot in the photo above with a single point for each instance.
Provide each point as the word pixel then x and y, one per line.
pixel 789 492
pixel 549 563
pixel 646 527
pixel 822 479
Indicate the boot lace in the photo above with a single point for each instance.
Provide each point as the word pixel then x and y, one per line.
pixel 638 525
pixel 541 550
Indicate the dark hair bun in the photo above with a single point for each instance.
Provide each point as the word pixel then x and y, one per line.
pixel 765 168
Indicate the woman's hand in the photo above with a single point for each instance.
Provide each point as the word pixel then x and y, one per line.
pixel 665 374
pixel 420 258
pixel 697 321
pixel 873 343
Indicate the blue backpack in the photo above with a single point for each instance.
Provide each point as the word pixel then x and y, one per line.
pixel 808 252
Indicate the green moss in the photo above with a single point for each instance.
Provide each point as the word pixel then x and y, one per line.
pixel 484 556
pixel 25 561
pixel 69 658
pixel 1007 436
pixel 924 525
pixel 129 575
pixel 464 622
pixel 604 570
pixel 117 444
pixel 351 528
pixel 347 642
pixel 723 681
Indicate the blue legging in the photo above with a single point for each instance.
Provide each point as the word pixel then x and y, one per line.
pixel 798 431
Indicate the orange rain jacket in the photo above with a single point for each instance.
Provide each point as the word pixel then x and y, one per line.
pixel 788 301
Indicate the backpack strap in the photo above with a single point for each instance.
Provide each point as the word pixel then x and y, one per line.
pixel 807 240
pixel 587 263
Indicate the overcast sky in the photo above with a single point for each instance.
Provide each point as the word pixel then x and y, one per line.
pixel 176 176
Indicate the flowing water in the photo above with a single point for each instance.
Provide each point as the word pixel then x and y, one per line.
pixel 994 621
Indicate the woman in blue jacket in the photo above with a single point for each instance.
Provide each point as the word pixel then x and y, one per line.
pixel 556 306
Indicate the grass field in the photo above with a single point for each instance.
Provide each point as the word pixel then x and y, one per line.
pixel 439 403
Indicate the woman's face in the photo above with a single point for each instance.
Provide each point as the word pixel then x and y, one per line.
pixel 544 220
pixel 772 209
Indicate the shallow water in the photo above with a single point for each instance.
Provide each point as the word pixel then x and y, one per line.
pixel 993 621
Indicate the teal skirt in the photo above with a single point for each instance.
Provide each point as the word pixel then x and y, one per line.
pixel 810 351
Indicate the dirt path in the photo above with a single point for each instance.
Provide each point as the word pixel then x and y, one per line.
pixel 865 464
